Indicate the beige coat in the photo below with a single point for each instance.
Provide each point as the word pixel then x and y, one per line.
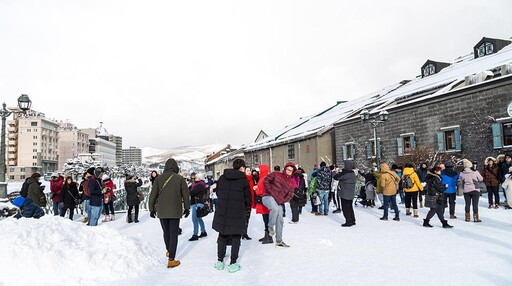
pixel 388 180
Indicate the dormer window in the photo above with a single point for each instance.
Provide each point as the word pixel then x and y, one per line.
pixel 429 69
pixel 485 48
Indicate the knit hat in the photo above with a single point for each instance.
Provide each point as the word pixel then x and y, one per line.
pixel 394 166
pixel 323 164
pixel 90 171
pixel 466 163
pixel 448 164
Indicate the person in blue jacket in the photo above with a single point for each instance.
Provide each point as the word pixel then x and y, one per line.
pixel 28 208
pixel 450 177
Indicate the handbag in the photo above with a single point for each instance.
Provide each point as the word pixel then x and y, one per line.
pixel 77 201
pixel 430 201
pixel 140 196
pixel 317 201
pixel 203 211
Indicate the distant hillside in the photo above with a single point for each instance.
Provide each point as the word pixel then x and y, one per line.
pixel 189 158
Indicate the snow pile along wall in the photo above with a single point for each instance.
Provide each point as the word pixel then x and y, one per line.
pixel 57 251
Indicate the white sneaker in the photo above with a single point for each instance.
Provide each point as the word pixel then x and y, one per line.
pixel 293 222
pixel 282 244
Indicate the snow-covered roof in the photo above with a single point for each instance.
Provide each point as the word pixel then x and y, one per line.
pixel 237 153
pixel 101 131
pixel 399 94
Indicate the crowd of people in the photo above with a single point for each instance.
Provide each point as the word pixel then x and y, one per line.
pixel 239 190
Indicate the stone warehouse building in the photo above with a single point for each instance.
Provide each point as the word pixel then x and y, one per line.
pixel 460 108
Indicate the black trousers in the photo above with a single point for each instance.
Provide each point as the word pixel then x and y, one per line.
pixel 472 198
pixel 265 221
pixel 314 208
pixel 136 211
pixel 247 218
pixel 439 210
pixel 171 228
pixel 493 191
pixel 222 243
pixel 451 202
pixel 348 211
pixel 294 206
pixel 63 212
pixel 411 196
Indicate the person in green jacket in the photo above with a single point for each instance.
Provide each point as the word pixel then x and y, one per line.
pixel 170 199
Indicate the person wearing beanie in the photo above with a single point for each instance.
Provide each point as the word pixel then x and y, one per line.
pixel 279 189
pixel 491 175
pixel 471 190
pixel 449 177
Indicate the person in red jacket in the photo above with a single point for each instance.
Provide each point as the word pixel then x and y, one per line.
pixel 260 208
pixel 279 188
pixel 253 178
pixel 108 198
pixel 56 184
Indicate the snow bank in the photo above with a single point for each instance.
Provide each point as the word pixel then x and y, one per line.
pixel 57 251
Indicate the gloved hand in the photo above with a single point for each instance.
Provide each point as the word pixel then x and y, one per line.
pixel 186 213
pixel 152 214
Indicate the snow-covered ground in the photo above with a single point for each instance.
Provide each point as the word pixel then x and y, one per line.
pixel 55 251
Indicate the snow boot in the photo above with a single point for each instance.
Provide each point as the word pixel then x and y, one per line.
pixel 264 237
pixel 446 225
pixel 129 217
pixel 86 219
pixel 407 211
pixel 173 263
pixel 467 217
pixel 415 213
pixel 267 239
pixel 475 217
pixel 383 218
pixel 452 216
pixel 396 218
pixel 426 223
pixel 421 204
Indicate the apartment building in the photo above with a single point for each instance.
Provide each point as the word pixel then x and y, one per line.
pixel 72 142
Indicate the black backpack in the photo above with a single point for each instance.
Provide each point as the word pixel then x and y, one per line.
pixel 407 182
pixel 24 189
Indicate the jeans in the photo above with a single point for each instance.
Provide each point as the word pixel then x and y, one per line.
pixel 323 208
pixel 493 191
pixel 472 198
pixel 94 215
pixel 56 208
pixel 387 201
pixel 275 216
pixel 87 208
pixel 402 196
pixel 197 221
pixel 171 228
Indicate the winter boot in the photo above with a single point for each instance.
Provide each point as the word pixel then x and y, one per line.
pixel 86 219
pixel 173 263
pixel 193 238
pixel 203 234
pixel 246 237
pixel 426 223
pixel 446 225
pixel 467 217
pixel 452 216
pixel 267 239
pixel 421 204
pixel 264 237
pixel 129 217
pixel 112 217
pixel 475 217
pixel 415 213
pixel 407 211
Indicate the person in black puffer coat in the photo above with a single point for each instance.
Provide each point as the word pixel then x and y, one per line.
pixel 435 188
pixel 347 191
pixel 132 200
pixel 299 196
pixel 68 194
pixel 234 196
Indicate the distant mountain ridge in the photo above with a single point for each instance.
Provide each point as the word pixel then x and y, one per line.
pixel 189 158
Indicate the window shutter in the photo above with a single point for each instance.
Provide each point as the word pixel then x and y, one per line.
pixel 344 152
pixel 458 144
pixel 352 151
pixel 368 150
pixel 378 148
pixel 497 135
pixel 440 141
pixel 400 146
pixel 413 142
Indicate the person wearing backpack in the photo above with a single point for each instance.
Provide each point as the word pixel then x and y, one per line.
pixel 412 186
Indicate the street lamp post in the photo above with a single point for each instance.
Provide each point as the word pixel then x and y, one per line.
pixel 24 104
pixel 381 118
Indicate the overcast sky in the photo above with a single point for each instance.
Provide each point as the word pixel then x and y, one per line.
pixel 171 73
